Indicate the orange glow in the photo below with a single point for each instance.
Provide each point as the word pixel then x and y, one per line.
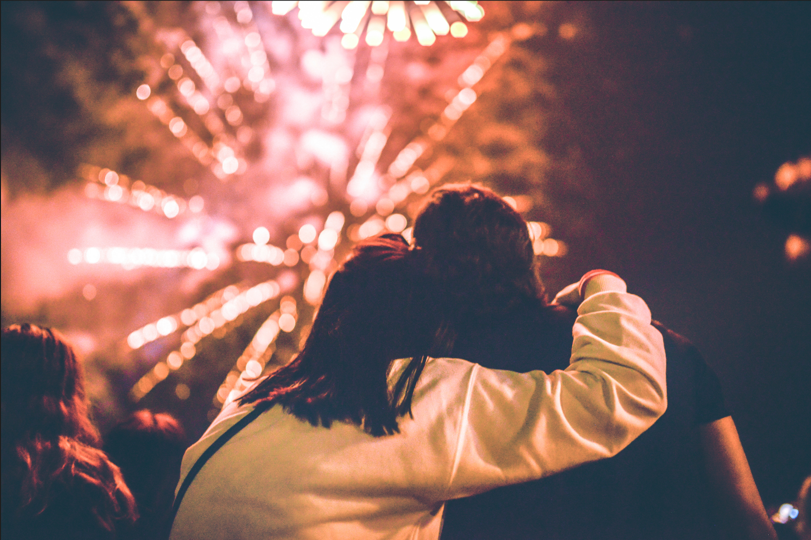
pixel 567 31
pixel 786 176
pixel 291 257
pixel 182 391
pixel 287 322
pixel 797 247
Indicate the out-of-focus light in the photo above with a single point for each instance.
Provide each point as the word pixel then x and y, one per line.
pixel 188 317
pixel 458 29
pixel 467 96
pixel 89 292
pixel 166 326
pixel 186 86
pixel 197 259
pixel 135 340
pixel 307 233
pixel 206 325
pixel 291 257
pixel 261 236
pixel 282 8
pixel 174 360
pixel 314 286
pixel 786 176
pixel 435 19
pixel 182 392
pixel 797 247
pixel 402 35
pixel 396 223
pixel 380 7
pixel 358 207
pixel 171 208
pixel 425 36
pixel 287 305
pixel 113 193
pixel 253 369
pixel 374 31
pixel 327 239
pixel 396 17
pixel 177 126
pixel 230 165
pixel 187 350
pixel 143 92
pixel 384 206
pixel 150 332
pixel 567 31
pixel 75 256
pixel 232 84
pixel 287 322
pixel 92 255
pixel 335 221
pixel 196 204
pixel 161 371
pixel 146 202
pixel 213 262
pixel 350 41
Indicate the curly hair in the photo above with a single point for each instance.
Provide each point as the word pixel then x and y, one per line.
pixel 50 448
pixel 376 309
pixel 479 250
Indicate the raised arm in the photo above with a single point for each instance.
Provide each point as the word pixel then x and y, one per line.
pixel 519 427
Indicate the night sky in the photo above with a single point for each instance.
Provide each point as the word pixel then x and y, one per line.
pixel 641 131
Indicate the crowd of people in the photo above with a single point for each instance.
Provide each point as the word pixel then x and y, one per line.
pixel 437 395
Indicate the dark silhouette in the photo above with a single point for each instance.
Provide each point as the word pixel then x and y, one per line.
pixel 148 448
pixel 56 482
pixel 686 477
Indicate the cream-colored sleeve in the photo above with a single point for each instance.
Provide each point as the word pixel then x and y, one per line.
pixel 518 427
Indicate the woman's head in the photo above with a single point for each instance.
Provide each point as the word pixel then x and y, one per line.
pixel 377 308
pixel 42 385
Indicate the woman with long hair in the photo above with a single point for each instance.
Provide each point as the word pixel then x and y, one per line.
pixel 56 482
pixel 364 436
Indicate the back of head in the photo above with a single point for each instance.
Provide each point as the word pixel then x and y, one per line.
pixel 42 386
pixel 479 249
pixel 149 448
pixel 146 444
pixel 53 472
pixel 377 308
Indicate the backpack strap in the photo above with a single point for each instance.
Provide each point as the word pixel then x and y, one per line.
pixel 221 440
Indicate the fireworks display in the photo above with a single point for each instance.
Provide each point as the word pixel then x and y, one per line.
pixel 180 179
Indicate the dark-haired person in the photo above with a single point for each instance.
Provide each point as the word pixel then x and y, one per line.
pixel 148 448
pixel 56 483
pixel 671 483
pixel 355 444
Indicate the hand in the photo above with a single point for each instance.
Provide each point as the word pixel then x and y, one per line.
pixel 572 295
pixel 568 296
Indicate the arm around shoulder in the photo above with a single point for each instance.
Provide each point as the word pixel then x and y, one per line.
pixel 520 427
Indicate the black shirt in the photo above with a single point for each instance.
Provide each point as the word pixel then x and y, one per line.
pixel 654 489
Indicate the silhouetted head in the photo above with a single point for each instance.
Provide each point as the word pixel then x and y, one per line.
pixel 479 249
pixel 42 385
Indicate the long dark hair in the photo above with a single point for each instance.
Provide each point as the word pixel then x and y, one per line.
pixel 48 439
pixel 376 309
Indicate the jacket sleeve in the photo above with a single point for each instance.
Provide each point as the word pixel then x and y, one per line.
pixel 517 427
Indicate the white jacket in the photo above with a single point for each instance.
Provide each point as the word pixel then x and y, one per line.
pixel 473 429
